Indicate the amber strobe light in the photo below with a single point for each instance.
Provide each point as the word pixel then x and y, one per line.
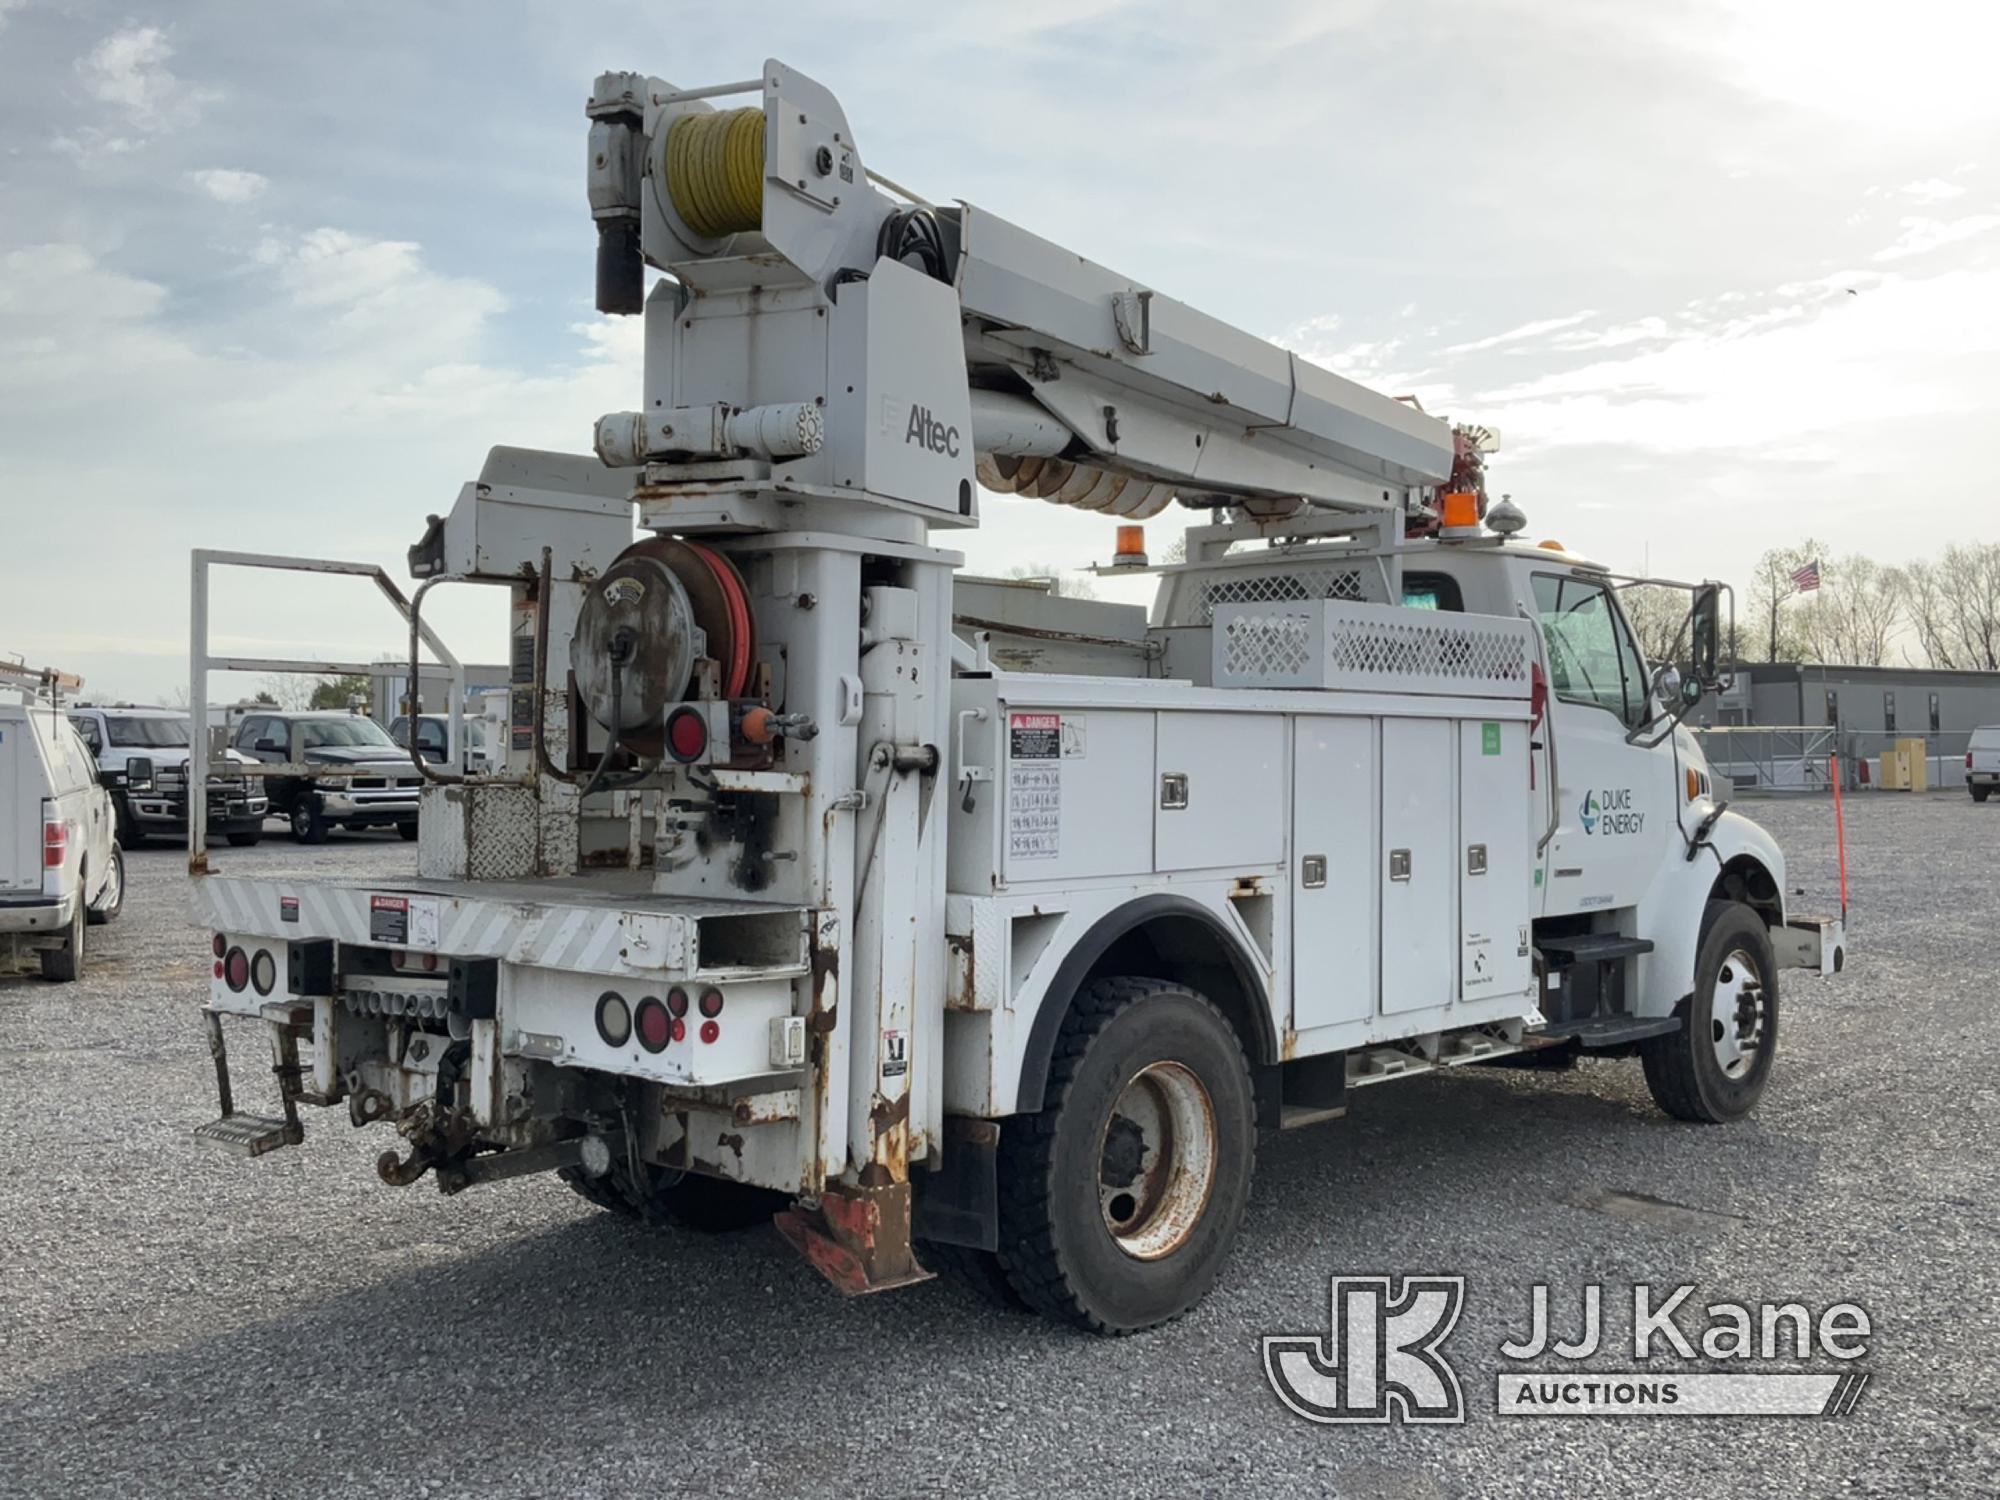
pixel 1131 548
pixel 1459 508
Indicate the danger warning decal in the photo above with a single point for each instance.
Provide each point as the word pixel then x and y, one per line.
pixel 1034 785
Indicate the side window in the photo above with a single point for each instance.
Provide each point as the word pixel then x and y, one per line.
pixel 251 732
pixel 86 727
pixel 1591 655
pixel 1432 591
pixel 430 736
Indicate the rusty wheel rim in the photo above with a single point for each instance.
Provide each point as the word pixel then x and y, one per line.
pixel 1157 1161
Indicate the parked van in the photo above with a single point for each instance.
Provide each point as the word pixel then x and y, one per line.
pixel 60 865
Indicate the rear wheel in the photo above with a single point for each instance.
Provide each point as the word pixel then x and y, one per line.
pixel 707 1205
pixel 1119 1202
pixel 110 900
pixel 1714 1068
pixel 1981 793
pixel 66 963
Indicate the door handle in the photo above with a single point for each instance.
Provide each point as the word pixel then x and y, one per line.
pixel 1173 791
pixel 1312 871
pixel 1399 864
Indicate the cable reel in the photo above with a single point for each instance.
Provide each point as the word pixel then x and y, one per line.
pixel 661 610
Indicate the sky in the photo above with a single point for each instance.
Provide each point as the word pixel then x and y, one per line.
pixel 1723 273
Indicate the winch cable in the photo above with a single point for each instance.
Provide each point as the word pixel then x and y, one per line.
pixel 623 644
pixel 715 170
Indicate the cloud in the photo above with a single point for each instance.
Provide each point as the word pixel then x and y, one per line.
pixel 128 71
pixel 228 185
pixel 5 7
pixel 1932 190
pixel 1921 236
pixel 1524 333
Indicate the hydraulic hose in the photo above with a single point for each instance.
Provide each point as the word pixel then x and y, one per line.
pixel 715 170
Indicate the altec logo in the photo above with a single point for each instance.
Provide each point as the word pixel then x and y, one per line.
pixel 930 434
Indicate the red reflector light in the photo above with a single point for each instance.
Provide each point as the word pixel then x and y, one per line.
pixel 55 845
pixel 710 1031
pixel 680 1029
pixel 711 1002
pixel 218 968
pixel 431 962
pixel 654 1026
pixel 220 945
pixel 687 734
pixel 236 969
pixel 677 1000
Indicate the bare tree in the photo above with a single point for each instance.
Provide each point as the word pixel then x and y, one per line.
pixel 1927 604
pixel 1657 615
pixel 1851 618
pixel 1953 607
pixel 1778 631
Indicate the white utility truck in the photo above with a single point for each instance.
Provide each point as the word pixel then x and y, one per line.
pixel 61 869
pixel 978 926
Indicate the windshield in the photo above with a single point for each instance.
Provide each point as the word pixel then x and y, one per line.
pixel 148 734
pixel 319 734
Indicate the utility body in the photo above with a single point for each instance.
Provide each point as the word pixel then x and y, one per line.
pixel 957 923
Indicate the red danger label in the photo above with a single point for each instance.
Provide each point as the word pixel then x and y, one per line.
pixel 1034 736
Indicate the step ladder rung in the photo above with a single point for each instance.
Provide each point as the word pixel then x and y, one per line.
pixel 249 1135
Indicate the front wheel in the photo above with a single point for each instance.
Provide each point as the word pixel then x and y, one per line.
pixel 407 831
pixel 1119 1202
pixel 246 839
pixel 1714 1068
pixel 308 822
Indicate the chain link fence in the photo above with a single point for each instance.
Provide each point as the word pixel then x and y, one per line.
pixel 1785 758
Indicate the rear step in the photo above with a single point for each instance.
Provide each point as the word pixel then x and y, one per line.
pixel 250 1135
pixel 1609 1031
pixel 254 1135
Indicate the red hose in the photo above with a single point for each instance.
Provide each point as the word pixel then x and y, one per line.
pixel 736 601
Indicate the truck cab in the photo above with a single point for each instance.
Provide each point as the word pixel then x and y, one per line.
pixel 117 733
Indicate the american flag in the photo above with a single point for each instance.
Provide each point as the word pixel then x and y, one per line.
pixel 1806 579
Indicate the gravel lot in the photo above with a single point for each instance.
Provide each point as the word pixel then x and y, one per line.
pixel 173 1319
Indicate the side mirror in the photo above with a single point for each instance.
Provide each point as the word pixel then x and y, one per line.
pixel 1667 685
pixel 139 774
pixel 1705 636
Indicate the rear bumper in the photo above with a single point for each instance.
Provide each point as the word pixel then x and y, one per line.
pixel 36 914
pixel 1817 943
pixel 1982 778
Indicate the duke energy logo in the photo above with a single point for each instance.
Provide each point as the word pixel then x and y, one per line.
pixel 1610 811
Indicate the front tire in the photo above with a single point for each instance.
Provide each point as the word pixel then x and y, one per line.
pixel 407 832
pixel 247 839
pixel 1714 1068
pixel 1120 1200
pixel 308 821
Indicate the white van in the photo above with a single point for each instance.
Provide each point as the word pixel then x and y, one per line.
pixel 1982 761
pixel 60 865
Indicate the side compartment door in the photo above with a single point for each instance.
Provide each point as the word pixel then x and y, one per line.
pixel 1334 871
pixel 1496 860
pixel 1417 871
pixel 1217 775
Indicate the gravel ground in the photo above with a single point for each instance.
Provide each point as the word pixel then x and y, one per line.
pixel 173 1319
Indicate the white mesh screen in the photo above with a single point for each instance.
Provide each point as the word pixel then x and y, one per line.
pixel 1373 647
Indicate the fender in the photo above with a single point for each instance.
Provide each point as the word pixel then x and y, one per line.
pixel 1671 912
pixel 1261 1040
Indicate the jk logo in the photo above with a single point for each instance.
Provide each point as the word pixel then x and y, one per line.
pixel 1380 1361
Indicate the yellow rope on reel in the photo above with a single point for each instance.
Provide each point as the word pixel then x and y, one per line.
pixel 715 170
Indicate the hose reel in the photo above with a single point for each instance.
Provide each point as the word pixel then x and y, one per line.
pixel 659 610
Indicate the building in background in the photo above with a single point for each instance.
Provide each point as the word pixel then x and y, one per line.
pixel 1780 722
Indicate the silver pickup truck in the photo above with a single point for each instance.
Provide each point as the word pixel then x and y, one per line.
pixel 118 733
pixel 333 739
pixel 1982 762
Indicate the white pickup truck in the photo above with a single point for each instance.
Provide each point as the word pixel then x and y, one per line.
pixel 1982 761
pixel 60 865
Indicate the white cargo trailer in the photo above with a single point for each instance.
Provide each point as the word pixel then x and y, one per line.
pixel 797 893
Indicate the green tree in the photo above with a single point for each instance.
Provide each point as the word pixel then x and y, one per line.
pixel 338 692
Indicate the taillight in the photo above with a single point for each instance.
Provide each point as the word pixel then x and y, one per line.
pixel 654 1025
pixel 710 1030
pixel 55 844
pixel 677 1000
pixel 220 945
pixel 1968 760
pixel 236 969
pixel 711 1002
